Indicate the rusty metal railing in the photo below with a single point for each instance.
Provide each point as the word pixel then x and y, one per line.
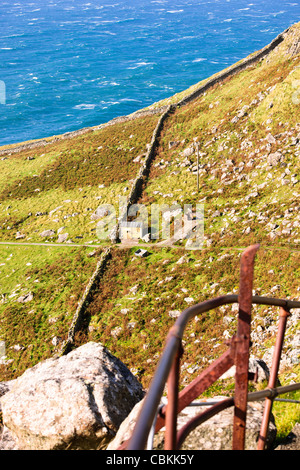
pixel 167 371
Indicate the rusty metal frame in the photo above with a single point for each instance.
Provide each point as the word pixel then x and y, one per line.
pixel 241 359
pixel 168 371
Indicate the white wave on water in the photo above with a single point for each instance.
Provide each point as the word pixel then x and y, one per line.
pixel 130 99
pixel 116 21
pixel 84 106
pixel 200 59
pixel 108 32
pixel 104 104
pixel 281 12
pixel 183 38
pixel 103 83
pixel 140 64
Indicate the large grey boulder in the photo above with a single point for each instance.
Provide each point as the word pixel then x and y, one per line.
pixel 77 401
pixel 256 366
pixel 214 434
pixel 125 430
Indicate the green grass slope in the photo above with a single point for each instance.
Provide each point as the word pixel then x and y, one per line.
pixel 62 184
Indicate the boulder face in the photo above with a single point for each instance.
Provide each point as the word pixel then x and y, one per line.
pixel 214 434
pixel 77 401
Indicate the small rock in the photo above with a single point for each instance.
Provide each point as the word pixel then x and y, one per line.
pixel 295 140
pixel 256 366
pixel 141 253
pixel 100 213
pixel 189 300
pixel 188 151
pixel 56 340
pixel 62 237
pixel 18 347
pixel 25 298
pixel 174 313
pixel 47 234
pixel 274 158
pixel 182 260
pixel 124 311
pixel 271 139
pixel 173 143
pixel 92 253
pixel 54 210
pixel 19 235
pixel 116 331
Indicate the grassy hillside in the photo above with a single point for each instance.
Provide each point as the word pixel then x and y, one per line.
pixel 40 289
pixel 62 184
pixel 239 125
pixel 248 131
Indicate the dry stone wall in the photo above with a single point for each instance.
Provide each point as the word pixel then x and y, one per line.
pixel 240 66
pixel 84 301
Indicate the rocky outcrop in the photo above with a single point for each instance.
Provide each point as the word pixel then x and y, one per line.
pixel 292 441
pixel 77 401
pixel 214 434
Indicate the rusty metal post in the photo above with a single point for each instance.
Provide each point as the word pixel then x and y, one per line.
pixel 284 314
pixel 205 379
pixel 172 406
pixel 242 347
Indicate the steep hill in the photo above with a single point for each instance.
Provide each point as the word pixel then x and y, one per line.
pixel 246 123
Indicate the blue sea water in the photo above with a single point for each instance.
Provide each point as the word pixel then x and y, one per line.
pixel 68 64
